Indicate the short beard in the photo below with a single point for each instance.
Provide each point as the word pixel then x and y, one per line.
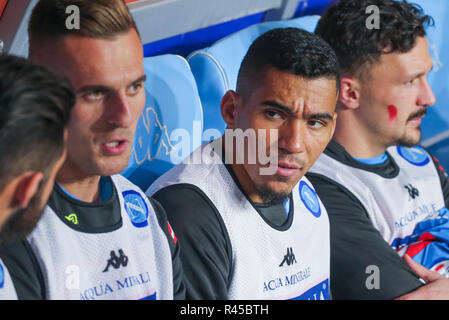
pixel 22 222
pixel 408 141
pixel 269 196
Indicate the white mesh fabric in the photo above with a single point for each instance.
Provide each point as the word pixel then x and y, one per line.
pixel 64 253
pixel 387 201
pixel 258 249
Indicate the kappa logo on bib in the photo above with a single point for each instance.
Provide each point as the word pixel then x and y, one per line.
pixel 310 199
pixel 416 155
pixel 2 277
pixel 136 208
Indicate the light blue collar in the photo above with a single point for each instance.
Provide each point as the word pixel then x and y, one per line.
pixel 373 161
pixel 105 190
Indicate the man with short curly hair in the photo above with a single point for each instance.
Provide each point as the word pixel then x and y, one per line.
pixel 380 189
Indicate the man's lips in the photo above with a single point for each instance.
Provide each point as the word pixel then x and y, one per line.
pixel 416 121
pixel 287 169
pixel 115 147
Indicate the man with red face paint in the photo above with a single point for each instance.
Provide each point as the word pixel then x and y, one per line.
pixel 383 193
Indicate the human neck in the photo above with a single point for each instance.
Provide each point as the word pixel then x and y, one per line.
pixel 239 171
pixel 80 185
pixel 246 183
pixel 355 138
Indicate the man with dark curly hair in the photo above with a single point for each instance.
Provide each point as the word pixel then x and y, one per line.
pixel 383 193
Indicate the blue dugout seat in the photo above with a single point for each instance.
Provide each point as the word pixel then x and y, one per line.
pixel 216 68
pixel 170 123
pixel 440 150
pixel 435 125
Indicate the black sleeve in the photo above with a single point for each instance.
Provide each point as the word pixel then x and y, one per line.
pixel 356 245
pixel 24 270
pixel 444 181
pixel 205 245
pixel 179 290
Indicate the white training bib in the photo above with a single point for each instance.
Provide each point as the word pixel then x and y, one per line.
pixel 131 262
pixel 395 205
pixel 267 263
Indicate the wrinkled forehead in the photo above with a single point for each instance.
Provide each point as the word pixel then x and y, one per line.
pixel 297 92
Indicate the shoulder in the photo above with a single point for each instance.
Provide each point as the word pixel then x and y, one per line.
pixel 203 167
pixel 24 270
pixel 206 251
pixel 336 197
pixel 121 182
pixel 356 245
pixel 187 206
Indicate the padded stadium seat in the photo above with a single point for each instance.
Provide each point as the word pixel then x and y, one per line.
pixel 171 121
pixel 216 68
pixel 435 125
pixel 440 150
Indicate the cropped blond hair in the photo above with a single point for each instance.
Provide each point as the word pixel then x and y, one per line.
pixel 97 19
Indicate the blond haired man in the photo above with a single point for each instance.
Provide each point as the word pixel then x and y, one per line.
pixel 100 236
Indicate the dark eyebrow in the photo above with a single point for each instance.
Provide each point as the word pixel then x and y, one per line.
pixel 417 75
pixel 142 78
pixel 92 88
pixel 287 110
pixel 279 106
pixel 321 116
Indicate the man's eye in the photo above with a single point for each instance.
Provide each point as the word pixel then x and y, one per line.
pixel 134 89
pixel 94 95
pixel 412 82
pixel 273 114
pixel 315 124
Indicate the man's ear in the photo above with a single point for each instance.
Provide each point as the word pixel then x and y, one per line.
pixel 26 186
pixel 229 107
pixel 349 93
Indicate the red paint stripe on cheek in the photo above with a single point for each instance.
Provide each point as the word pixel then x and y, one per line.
pixel 393 112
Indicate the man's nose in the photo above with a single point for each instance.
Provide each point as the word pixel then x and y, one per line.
pixel 291 137
pixel 118 110
pixel 426 97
